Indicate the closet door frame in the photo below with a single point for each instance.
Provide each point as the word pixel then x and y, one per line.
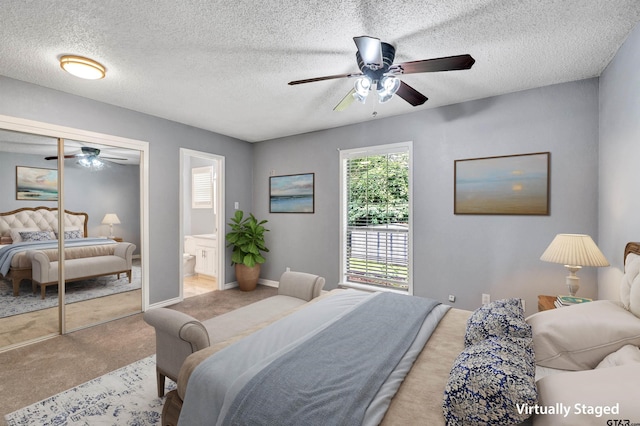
pixel 62 133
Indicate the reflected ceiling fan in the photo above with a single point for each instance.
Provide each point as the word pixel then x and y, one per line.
pixel 375 60
pixel 88 157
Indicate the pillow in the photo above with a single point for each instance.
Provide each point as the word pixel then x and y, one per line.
pixel 588 395
pixel 15 233
pixel 578 337
pixel 490 382
pixel 73 235
pixel 497 319
pixel 630 285
pixel 68 229
pixel 628 354
pixel 29 236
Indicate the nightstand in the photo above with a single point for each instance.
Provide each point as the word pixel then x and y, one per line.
pixel 117 239
pixel 546 302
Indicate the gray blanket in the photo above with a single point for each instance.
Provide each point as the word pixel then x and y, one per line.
pixel 343 376
pixel 7 253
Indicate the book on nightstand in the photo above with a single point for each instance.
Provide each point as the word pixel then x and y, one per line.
pixel 570 300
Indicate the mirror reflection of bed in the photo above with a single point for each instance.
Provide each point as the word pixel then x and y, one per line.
pixel 113 189
pixel 103 279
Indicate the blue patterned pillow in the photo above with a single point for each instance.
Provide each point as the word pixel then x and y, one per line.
pixel 73 235
pixel 35 236
pixel 500 318
pixel 489 381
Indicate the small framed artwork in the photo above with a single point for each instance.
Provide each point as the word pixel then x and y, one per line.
pixel 33 183
pixel 510 185
pixel 292 193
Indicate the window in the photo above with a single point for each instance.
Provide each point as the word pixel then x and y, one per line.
pixel 376 217
pixel 202 184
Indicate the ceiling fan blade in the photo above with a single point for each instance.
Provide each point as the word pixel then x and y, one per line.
pixel 55 157
pixel 328 77
pixel 410 94
pixel 370 50
pixel 346 101
pixel 449 63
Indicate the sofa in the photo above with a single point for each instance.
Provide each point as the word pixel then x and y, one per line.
pixel 178 335
pixel 89 264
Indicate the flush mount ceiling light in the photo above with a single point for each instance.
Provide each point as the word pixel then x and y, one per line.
pixel 82 67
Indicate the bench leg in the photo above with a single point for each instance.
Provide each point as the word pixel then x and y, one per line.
pixel 160 379
pixel 129 275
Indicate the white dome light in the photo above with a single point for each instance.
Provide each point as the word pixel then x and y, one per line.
pixel 82 67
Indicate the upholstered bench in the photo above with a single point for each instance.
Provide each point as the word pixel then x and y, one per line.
pixel 44 268
pixel 178 335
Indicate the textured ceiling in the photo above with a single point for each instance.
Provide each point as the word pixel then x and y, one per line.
pixel 224 65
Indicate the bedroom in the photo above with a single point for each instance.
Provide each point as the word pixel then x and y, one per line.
pixel 592 125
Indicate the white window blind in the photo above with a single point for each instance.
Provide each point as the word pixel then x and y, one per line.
pixel 376 206
pixel 202 187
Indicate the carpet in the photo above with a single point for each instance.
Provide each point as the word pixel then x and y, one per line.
pixel 127 396
pixel 76 291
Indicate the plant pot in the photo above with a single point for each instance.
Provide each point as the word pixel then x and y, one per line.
pixel 247 277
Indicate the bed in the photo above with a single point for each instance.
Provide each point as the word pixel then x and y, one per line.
pixel 40 226
pixel 490 366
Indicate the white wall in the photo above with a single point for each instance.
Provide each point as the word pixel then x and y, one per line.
pixel 619 206
pixel 453 254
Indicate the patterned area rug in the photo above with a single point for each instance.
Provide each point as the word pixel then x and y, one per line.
pixel 127 396
pixel 76 291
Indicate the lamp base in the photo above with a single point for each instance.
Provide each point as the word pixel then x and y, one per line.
pixel 573 281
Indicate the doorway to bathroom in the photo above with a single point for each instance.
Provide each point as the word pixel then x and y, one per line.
pixel 201 222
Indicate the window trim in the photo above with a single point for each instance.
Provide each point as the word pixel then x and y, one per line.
pixel 347 154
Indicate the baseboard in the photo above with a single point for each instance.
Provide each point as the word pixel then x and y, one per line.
pixel 268 283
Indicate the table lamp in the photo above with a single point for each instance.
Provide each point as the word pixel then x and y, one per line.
pixel 111 219
pixel 574 251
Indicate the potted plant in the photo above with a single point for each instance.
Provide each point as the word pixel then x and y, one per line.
pixel 247 239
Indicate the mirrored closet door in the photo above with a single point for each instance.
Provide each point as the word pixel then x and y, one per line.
pixel 28 181
pixel 100 235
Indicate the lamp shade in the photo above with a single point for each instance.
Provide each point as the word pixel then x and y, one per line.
pixel 574 250
pixel 110 219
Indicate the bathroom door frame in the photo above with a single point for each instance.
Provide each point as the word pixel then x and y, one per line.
pixel 220 213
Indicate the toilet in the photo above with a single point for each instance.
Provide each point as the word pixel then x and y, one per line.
pixel 189 256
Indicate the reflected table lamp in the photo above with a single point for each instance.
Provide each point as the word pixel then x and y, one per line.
pixel 574 251
pixel 111 219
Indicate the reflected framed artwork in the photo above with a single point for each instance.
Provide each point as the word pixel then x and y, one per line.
pixel 509 185
pixel 292 193
pixel 33 183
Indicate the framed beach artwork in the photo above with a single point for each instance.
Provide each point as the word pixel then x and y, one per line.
pixel 33 183
pixel 292 193
pixel 509 185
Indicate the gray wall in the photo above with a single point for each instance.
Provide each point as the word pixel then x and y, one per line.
pixel 619 161
pixel 114 189
pixel 453 254
pixel 29 101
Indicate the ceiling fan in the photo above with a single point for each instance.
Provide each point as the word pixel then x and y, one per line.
pixel 88 157
pixel 375 60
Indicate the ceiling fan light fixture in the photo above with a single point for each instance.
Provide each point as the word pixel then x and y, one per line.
pixel 91 162
pixel 82 67
pixel 387 87
pixel 362 86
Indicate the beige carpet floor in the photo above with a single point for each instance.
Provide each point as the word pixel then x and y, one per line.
pixel 38 371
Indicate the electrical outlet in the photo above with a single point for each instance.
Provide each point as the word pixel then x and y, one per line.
pixel 452 298
pixel 486 298
pixel 288 269
pixel 236 205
